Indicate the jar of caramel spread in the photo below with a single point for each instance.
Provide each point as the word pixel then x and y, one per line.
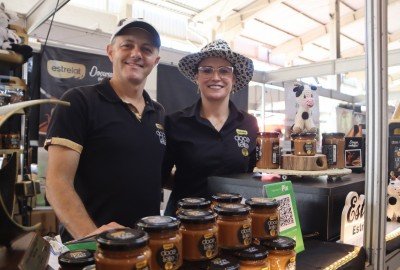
pixel 234 226
pixel 123 249
pixel 268 143
pixel 199 234
pixel 223 198
pixel 264 217
pixel 281 254
pixel 305 144
pixel 76 260
pixel 225 263
pixel 333 145
pixel 165 241
pixel 293 137
pixel 194 203
pixel 253 258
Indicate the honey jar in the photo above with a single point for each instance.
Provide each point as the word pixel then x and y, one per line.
pixel 194 203
pixel 264 217
pixel 199 234
pixel 123 249
pixel 253 258
pixel 223 198
pixel 333 145
pixel 234 226
pixel 165 241
pixel 75 260
pixel 226 263
pixel 305 144
pixel 268 143
pixel 281 254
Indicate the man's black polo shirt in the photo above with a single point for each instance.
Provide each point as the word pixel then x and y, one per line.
pixel 198 150
pixel 119 172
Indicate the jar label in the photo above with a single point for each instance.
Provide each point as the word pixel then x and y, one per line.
pixel 167 256
pixel 142 265
pixel 308 147
pixel 275 153
pixel 291 264
pixel 330 152
pixel 208 245
pixel 244 234
pixel 271 226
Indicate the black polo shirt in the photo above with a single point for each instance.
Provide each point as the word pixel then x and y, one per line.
pixel 198 150
pixel 119 172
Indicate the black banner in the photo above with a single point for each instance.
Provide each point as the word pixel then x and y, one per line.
pixel 63 69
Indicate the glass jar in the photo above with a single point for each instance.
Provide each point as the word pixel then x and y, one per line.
pixel 199 234
pixel 226 263
pixel 165 241
pixel 293 137
pixel 234 226
pixel 76 260
pixel 264 217
pixel 193 203
pixel 333 147
pixel 305 144
pixel 123 249
pixel 268 143
pixel 253 258
pixel 281 254
pixel 224 198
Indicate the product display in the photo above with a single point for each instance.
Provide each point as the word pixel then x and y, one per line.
pixel 194 203
pixel 199 234
pixel 253 258
pixel 234 226
pixel 223 198
pixel 165 241
pixel 123 249
pixel 264 217
pixel 305 144
pixel 333 145
pixel 226 263
pixel 281 254
pixel 269 151
pixel 76 260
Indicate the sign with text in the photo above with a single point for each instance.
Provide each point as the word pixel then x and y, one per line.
pixel 289 218
pixel 352 226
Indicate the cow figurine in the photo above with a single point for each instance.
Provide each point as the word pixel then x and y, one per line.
pixel 303 121
pixel 393 206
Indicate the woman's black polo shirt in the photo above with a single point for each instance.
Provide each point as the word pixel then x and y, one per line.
pixel 119 172
pixel 198 150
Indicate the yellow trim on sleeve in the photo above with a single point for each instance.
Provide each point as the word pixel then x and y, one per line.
pixel 63 142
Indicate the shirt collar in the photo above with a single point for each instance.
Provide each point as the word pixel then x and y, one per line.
pixel 194 111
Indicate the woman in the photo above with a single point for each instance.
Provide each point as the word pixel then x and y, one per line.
pixel 211 137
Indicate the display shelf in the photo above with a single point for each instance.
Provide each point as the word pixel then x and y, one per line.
pixel 330 172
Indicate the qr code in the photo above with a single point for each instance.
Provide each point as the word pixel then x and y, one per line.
pixel 285 208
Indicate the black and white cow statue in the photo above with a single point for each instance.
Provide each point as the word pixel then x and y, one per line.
pixel 393 206
pixel 303 121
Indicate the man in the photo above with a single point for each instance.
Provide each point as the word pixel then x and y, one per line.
pixel 106 149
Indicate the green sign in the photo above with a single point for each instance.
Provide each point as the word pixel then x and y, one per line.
pixel 289 218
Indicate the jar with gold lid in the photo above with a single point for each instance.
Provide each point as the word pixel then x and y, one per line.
pixel 234 226
pixel 264 217
pixel 269 152
pixel 123 249
pixel 165 241
pixel 305 144
pixel 199 234
pixel 76 259
pixel 281 254
pixel 333 145
pixel 225 198
pixel 253 258
pixel 194 203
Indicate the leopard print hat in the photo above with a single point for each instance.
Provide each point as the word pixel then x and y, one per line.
pixel 243 66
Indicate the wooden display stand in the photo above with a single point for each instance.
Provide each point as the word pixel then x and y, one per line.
pixel 304 163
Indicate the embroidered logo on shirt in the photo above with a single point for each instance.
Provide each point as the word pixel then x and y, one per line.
pixel 243 142
pixel 161 134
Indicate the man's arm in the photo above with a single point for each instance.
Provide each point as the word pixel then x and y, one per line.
pixel 60 192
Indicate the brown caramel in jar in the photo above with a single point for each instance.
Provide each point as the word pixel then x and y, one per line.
pixel 281 254
pixel 264 217
pixel 234 226
pixel 122 249
pixel 199 234
pixel 268 142
pixel 165 241
pixel 333 147
pixel 225 198
pixel 253 258
pixel 305 144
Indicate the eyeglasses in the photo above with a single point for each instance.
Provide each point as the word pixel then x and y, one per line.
pixel 222 71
